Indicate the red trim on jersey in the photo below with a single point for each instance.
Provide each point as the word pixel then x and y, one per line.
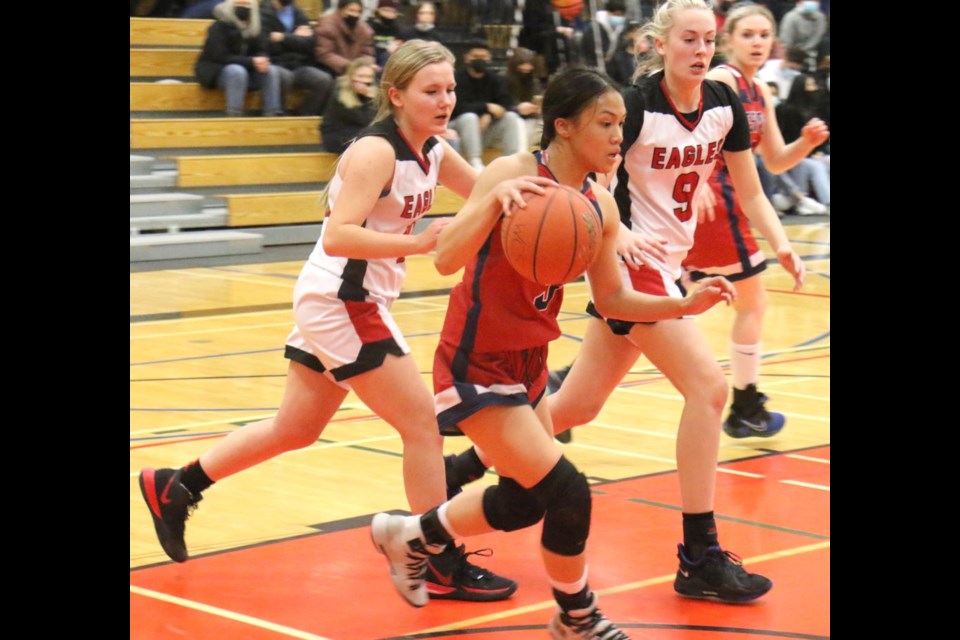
pixel 367 321
pixel 647 280
pixel 689 125
pixel 416 154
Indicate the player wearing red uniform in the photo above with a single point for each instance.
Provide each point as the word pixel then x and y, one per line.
pixel 490 367
pixel 724 243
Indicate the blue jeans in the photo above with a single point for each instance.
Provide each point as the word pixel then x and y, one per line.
pixel 508 133
pixel 236 81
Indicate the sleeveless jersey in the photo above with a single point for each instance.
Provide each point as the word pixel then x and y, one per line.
pixel 494 308
pixel 726 246
pixel 751 97
pixel 408 198
pixel 668 155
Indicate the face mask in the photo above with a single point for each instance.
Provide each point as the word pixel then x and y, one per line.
pixel 351 21
pixel 242 13
pixel 285 3
pixel 478 65
pixel 725 6
pixel 810 6
pixel 424 26
pixel 387 22
pixel 617 21
pixel 776 101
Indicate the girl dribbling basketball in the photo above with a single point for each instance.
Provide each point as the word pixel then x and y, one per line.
pixel 490 368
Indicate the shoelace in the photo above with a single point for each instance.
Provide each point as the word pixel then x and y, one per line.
pixel 468 568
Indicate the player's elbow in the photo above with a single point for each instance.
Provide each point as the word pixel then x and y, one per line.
pixel 445 263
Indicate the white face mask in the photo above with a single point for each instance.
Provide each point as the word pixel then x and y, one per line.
pixel 617 21
pixel 810 6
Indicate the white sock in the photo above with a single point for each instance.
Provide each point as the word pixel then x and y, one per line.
pixel 442 514
pixel 570 587
pixel 745 364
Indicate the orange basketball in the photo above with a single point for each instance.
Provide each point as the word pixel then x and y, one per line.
pixel 569 9
pixel 554 238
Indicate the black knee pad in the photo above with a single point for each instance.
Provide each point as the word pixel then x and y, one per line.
pixel 566 495
pixel 508 506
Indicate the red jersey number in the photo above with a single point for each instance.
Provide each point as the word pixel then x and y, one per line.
pixel 683 191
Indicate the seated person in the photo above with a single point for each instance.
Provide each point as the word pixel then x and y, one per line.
pixel 352 106
pixel 234 58
pixel 484 115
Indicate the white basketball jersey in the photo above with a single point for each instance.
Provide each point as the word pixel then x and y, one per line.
pixel 408 198
pixel 668 156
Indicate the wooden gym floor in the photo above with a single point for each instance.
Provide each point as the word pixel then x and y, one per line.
pixel 282 550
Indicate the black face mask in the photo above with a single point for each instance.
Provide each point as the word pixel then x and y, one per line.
pixel 479 65
pixel 387 22
pixel 242 13
pixel 351 21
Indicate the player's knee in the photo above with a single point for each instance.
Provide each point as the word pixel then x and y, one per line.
pixel 566 495
pixel 579 411
pixel 508 506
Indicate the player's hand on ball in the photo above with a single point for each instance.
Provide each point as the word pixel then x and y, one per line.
pixel 709 292
pixel 509 193
pixel 793 264
pixel 635 248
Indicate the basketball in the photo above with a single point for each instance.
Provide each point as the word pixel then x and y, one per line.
pixel 554 238
pixel 569 9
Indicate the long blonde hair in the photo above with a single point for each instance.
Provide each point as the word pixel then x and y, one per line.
pixel 657 29
pixel 345 92
pixel 402 65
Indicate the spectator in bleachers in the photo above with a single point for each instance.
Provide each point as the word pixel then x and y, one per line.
pixel 550 35
pixel 200 9
pixel 234 58
pixel 343 37
pixel 632 47
pixel 386 29
pixel 484 115
pixel 812 175
pixel 804 26
pixel 424 26
pixel 782 70
pixel 352 107
pixel 526 92
pixel 602 35
pixel 290 45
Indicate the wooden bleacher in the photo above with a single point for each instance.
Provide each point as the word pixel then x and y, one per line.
pixel 171 133
pixel 162 63
pixel 212 154
pixel 299 207
pixel 169 32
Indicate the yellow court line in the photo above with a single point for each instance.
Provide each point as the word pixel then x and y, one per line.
pixel 224 613
pixel 462 624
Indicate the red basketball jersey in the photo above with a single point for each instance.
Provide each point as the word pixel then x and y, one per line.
pixel 494 308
